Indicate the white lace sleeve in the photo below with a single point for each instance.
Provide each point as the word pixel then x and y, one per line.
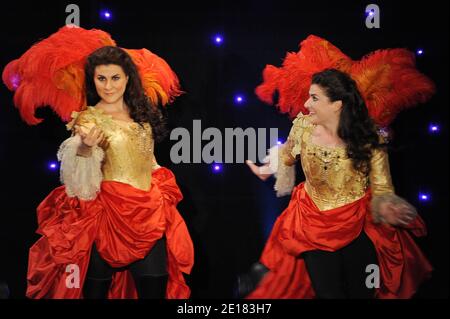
pixel 82 176
pixel 284 174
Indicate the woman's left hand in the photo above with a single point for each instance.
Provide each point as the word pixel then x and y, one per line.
pixel 397 214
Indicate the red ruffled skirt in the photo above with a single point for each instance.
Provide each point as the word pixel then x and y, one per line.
pixel 124 222
pixel 303 227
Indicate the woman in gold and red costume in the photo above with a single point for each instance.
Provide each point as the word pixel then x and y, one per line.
pixel 345 233
pixel 112 230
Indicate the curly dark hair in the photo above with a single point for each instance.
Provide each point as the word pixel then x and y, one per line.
pixel 141 110
pixel 356 128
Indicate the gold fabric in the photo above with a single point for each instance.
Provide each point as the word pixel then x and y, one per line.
pixel 331 180
pixel 129 155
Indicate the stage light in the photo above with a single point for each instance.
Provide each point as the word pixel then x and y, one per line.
pixel 239 99
pixel 106 15
pixel 279 142
pixel 434 128
pixel 419 52
pixel 218 39
pixel 217 168
pixel 15 81
pixel 53 166
pixel 424 197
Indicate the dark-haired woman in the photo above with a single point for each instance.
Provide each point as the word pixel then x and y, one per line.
pixel 344 233
pixel 113 227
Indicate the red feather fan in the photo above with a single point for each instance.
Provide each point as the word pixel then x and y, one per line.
pixel 387 79
pixel 51 73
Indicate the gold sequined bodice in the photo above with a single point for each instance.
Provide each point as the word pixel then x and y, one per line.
pixel 331 180
pixel 129 153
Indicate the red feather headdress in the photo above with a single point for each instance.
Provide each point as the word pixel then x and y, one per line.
pixel 51 73
pixel 387 79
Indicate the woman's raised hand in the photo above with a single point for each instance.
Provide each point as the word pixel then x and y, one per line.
pixel 93 138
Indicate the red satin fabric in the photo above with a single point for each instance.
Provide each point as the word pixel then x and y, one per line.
pixel 124 222
pixel 302 227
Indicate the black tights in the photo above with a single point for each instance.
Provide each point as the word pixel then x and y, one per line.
pixel 149 274
pixel 342 274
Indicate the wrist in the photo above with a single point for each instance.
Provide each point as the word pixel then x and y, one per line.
pixel 84 150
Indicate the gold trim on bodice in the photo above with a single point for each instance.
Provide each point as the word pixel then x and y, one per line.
pixel 130 149
pixel 331 180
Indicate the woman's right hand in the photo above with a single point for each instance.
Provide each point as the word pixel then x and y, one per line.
pixel 263 172
pixel 93 138
pixel 88 140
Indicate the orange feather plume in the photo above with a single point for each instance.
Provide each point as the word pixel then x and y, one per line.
pixel 387 79
pixel 51 73
pixel 159 81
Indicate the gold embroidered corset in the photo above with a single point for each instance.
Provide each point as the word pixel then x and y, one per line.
pixel 331 180
pixel 129 153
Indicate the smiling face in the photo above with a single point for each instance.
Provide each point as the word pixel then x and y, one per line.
pixel 110 82
pixel 320 108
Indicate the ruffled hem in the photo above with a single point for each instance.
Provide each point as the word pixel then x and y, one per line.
pixel 302 227
pixel 124 222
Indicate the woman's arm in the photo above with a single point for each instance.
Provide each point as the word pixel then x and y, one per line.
pixel 286 153
pixel 386 206
pixel 155 164
pixel 81 159
pixel 84 124
pixel 90 138
pixel 380 173
pixel 281 159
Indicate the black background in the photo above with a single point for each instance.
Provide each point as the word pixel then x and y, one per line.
pixel 229 214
